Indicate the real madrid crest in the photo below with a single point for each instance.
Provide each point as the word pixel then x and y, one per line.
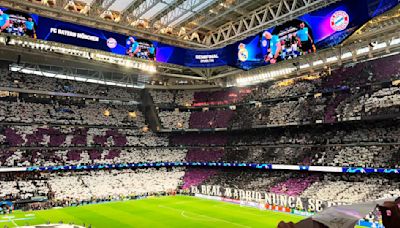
pixel 243 54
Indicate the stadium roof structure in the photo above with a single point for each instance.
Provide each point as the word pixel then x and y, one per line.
pixel 200 24
pixel 367 42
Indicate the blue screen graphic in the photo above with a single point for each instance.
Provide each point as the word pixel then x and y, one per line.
pixel 78 35
pixel 306 34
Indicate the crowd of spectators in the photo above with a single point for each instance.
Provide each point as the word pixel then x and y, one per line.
pixel 254 180
pixel 378 131
pixel 75 187
pixel 47 84
pixel 114 183
pixel 285 88
pixel 196 119
pixel 337 188
pixel 357 145
pixel 372 144
pixel 174 119
pixel 68 136
pixel 371 156
pixel 186 98
pixel 172 97
pixel 46 158
pixel 340 106
pixel 337 156
pixel 211 119
pixel 354 91
pixel 162 96
pixel 196 176
pixel 304 148
pixel 304 106
pixel 223 97
pixel 40 132
pixel 352 188
pixel 184 119
pixel 194 139
pixel 294 186
pixel 23 189
pixel 204 154
pixel 87 113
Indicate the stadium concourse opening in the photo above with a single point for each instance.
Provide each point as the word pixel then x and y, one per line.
pixel 200 113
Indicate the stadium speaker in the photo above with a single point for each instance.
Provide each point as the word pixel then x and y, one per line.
pixel 19 59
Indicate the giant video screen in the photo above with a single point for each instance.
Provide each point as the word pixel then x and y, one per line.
pixel 307 34
pixel 304 35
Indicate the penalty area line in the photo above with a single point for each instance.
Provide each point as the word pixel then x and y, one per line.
pixel 13 222
pixel 201 215
pixel 187 216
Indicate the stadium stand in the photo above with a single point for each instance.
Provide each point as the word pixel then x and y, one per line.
pixel 354 91
pixel 330 187
pixel 31 82
pixel 349 114
pixel 22 111
pixel 75 187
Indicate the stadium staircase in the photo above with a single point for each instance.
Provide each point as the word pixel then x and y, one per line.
pixel 150 112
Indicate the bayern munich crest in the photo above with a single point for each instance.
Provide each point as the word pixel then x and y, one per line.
pixel 111 43
pixel 339 20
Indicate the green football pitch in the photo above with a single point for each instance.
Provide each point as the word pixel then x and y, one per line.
pixel 172 211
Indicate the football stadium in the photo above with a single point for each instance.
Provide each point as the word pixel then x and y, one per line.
pixel 200 113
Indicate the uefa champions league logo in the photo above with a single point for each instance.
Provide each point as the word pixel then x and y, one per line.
pixel 111 43
pixel 339 20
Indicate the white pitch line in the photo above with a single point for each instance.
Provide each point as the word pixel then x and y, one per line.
pixel 187 216
pixel 181 202
pixel 205 216
pixel 15 224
